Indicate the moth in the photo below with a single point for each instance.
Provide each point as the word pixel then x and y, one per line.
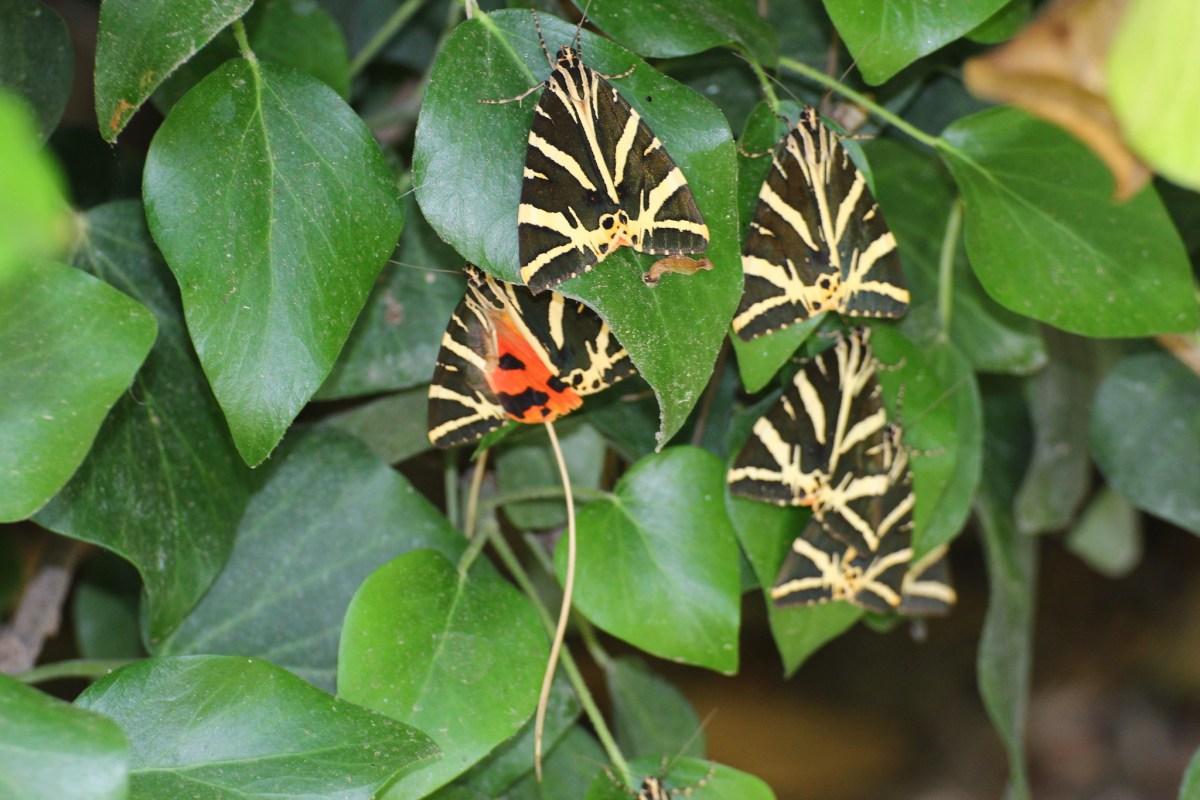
pixel 817 241
pixel 596 179
pixel 509 355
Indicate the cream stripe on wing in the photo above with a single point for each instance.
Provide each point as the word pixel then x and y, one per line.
pixel 790 215
pixel 562 159
pixel 624 145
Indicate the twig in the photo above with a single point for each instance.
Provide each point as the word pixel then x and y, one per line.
pixel 473 494
pixel 946 266
pixel 382 36
pixel 39 613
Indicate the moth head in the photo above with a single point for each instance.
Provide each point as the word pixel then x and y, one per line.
pixel 566 57
pixel 613 232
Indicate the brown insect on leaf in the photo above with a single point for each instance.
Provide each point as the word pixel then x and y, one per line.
pixel 681 264
pixel 1055 69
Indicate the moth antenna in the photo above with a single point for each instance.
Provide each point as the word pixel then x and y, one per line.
pixel 537 24
pixel 576 42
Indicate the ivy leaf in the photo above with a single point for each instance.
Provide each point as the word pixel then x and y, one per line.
pixel 653 719
pixel 51 751
pixel 885 36
pixel 1108 535
pixel 1046 240
pixel 395 342
pixel 671 28
pixel 469 188
pixel 529 463
pixel 1144 428
pixel 394 427
pixel 141 42
pixel 275 210
pixel 321 481
pixel 1152 85
pixel 917 195
pixel 124 501
pixel 933 393
pixel 705 779
pixel 657 560
pixel 759 359
pixel 36 58
pixel 1005 658
pixel 460 656
pixel 288 33
pixel 69 348
pixel 236 727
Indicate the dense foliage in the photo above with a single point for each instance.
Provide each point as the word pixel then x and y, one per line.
pixel 211 369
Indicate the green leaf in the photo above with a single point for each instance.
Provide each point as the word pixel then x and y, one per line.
pixel 1004 24
pixel 803 30
pixel 529 463
pixel 1108 535
pixel 885 36
pixel 1060 402
pixel 106 623
pixel 1190 788
pixel 275 210
pixel 932 391
pixel 456 655
pixel 1144 428
pixel 653 719
pixel 34 219
pixel 758 360
pixel 1046 239
pixel 917 195
pixel 469 188
pixel 141 42
pixel 671 28
pixel 1005 657
pixel 222 726
pixel 571 765
pixel 320 481
pixel 1154 85
pixel 163 486
pixel 657 560
pixel 395 343
pixel 36 58
pixel 288 33
pixel 628 419
pixel 51 751
pixel 69 347
pixel 705 779
pixel 394 427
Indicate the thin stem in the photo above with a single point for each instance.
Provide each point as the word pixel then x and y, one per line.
pixel 473 494
pixel 80 668
pixel 239 33
pixel 815 75
pixel 450 483
pixel 546 493
pixel 764 81
pixel 513 565
pixel 592 642
pixel 946 266
pixel 400 16
pixel 564 613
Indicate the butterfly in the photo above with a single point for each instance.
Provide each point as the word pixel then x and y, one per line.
pixel 596 179
pixel 818 241
pixel 509 355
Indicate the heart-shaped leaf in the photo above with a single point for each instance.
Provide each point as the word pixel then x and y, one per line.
pixel 653 719
pixel 275 210
pixel 141 42
pixel 885 36
pixel 321 481
pixel 657 560
pixel 1046 239
pixel 36 58
pixel 1144 429
pixel 69 347
pixel 467 165
pixel 51 751
pixel 917 197
pixel 131 504
pixel 460 656
pixel 223 726
pixel 670 28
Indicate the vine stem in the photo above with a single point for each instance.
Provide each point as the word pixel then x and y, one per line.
pixel 475 543
pixel 243 42
pixel 77 668
pixel 514 567
pixel 400 16
pixel 817 76
pixel 564 613
pixel 764 81
pixel 945 296
pixel 547 493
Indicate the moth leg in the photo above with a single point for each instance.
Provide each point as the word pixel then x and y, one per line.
pixel 619 75
pixel 516 99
